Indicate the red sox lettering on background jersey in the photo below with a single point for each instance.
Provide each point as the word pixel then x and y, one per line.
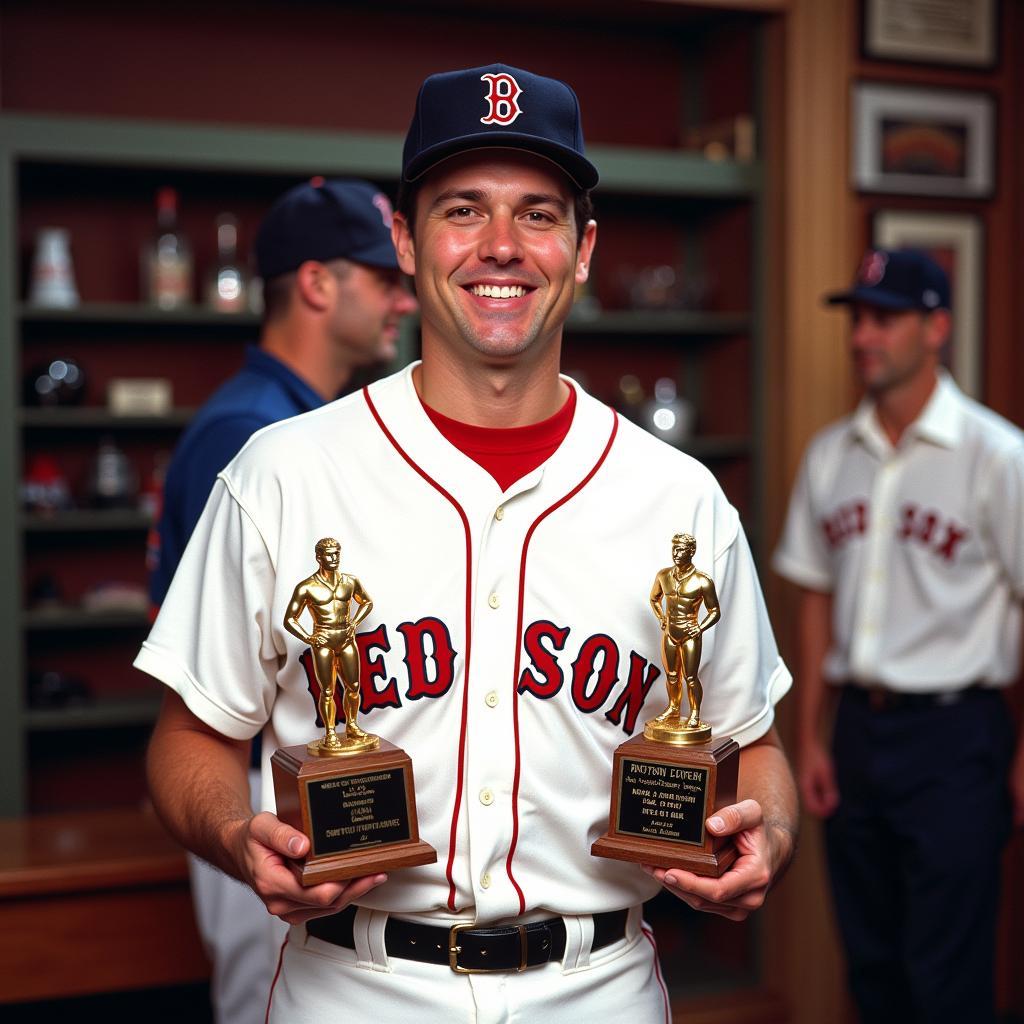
pixel 511 647
pixel 922 544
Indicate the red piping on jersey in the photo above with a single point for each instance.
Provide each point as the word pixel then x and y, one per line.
pixel 519 651
pixel 449 870
pixel 273 984
pixel 649 936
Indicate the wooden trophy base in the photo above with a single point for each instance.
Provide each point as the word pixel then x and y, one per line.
pixel 662 794
pixel 359 811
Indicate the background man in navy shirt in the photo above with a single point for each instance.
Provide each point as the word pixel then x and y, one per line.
pixel 333 298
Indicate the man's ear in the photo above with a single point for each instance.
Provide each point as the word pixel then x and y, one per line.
pixel 405 247
pixel 586 251
pixel 315 284
pixel 939 326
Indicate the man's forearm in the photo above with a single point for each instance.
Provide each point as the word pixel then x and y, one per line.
pixel 199 783
pixel 765 776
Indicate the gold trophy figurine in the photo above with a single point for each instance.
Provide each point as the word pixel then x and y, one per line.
pixel 667 782
pixel 676 598
pixel 328 595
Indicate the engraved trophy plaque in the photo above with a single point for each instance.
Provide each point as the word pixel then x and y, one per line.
pixel 668 782
pixel 353 794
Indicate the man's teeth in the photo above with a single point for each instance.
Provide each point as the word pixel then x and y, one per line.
pixel 493 291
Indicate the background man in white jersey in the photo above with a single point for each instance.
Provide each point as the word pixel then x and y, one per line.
pixel 906 532
pixel 469 493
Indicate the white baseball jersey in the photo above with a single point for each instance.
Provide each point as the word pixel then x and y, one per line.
pixel 511 646
pixel 921 545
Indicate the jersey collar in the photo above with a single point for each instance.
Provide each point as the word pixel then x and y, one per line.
pixel 940 422
pixel 402 412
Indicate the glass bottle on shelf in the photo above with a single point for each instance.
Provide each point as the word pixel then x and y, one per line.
pixel 167 257
pixel 226 286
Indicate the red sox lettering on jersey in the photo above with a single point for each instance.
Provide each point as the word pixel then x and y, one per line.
pixel 503 107
pixel 941 534
pixel 430 660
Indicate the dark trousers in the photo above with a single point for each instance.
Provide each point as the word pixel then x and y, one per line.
pixel 914 853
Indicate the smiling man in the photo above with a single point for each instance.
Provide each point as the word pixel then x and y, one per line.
pixel 904 533
pixel 471 493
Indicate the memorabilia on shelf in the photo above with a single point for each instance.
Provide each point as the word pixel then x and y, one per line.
pixel 52 689
pixel 53 275
pixel 140 396
pixel 56 382
pixel 112 481
pixel 44 487
pixel 731 138
pixel 166 268
pixel 226 283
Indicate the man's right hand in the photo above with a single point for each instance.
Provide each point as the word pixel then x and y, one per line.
pixel 265 849
pixel 817 781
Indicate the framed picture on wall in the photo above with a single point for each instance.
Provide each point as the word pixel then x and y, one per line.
pixel 920 141
pixel 956 242
pixel 956 32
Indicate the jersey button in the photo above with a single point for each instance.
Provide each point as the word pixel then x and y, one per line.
pixel 491 700
pixel 485 880
pixel 494 601
pixel 499 513
pixel 486 797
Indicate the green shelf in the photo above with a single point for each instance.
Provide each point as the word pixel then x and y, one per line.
pixel 90 418
pixel 133 314
pixel 102 714
pixel 43 620
pixel 227 148
pixel 87 521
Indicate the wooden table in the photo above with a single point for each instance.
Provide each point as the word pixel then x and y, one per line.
pixel 93 902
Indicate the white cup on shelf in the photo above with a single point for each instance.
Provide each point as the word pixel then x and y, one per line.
pixel 53 276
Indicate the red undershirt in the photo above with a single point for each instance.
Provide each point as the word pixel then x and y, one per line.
pixel 509 453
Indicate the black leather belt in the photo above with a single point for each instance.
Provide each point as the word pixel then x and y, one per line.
pixel 878 698
pixel 469 950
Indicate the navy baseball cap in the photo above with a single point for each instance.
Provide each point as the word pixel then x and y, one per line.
pixel 496 106
pixel 897 279
pixel 326 220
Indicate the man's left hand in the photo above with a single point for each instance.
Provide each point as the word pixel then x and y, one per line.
pixel 763 852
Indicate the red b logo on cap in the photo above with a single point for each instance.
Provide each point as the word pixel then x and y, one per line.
pixel 501 99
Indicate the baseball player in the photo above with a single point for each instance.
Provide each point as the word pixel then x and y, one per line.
pixel 507 525
pixel 334 296
pixel 905 532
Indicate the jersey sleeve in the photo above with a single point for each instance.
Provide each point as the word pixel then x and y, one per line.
pixel 212 642
pixel 1003 503
pixel 801 555
pixel 746 676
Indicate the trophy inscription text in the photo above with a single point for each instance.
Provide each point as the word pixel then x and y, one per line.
pixel 662 801
pixel 358 811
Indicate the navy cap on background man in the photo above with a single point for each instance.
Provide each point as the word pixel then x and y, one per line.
pixel 333 297
pixel 904 535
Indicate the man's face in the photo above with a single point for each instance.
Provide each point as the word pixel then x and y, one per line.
pixel 682 553
pixel 892 347
pixel 330 558
pixel 494 253
pixel 369 303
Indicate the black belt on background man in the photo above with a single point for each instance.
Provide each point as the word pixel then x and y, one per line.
pixel 880 698
pixel 469 950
